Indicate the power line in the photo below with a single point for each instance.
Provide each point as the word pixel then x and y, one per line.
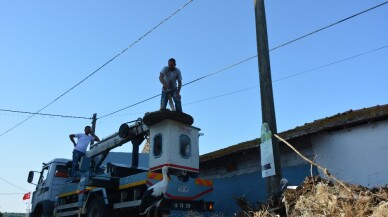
pixel 11 193
pixel 128 106
pixel 195 80
pixel 243 61
pixel 255 86
pixel 331 25
pixel 98 69
pixel 211 74
pixel 4 180
pixel 43 114
pixel 332 63
pixel 223 69
pixel 222 95
pixel 293 75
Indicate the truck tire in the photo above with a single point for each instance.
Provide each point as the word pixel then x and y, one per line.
pixel 40 215
pixel 97 208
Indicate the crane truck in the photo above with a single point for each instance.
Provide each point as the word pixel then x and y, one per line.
pixel 116 189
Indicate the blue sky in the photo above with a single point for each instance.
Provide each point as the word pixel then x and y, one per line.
pixel 47 47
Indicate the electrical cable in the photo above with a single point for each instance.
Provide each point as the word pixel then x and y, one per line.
pixel 128 106
pixel 208 75
pixel 332 63
pixel 11 193
pixel 218 71
pixel 22 189
pixel 43 114
pixel 179 9
pixel 233 65
pixel 222 95
pixel 255 86
pixel 331 25
pixel 245 60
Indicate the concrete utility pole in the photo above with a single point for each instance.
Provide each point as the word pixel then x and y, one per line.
pixel 267 102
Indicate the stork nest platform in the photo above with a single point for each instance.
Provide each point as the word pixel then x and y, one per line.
pixel 151 118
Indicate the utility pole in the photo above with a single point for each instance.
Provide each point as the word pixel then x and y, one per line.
pixel 94 120
pixel 267 102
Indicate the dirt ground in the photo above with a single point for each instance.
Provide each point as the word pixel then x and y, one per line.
pixel 320 197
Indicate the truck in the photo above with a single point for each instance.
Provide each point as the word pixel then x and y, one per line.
pixel 114 189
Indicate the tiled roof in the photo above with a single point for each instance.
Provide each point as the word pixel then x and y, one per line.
pixel 335 122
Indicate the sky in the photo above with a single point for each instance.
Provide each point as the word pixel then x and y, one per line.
pixel 119 48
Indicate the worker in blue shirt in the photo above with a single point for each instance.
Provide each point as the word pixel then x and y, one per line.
pixel 169 77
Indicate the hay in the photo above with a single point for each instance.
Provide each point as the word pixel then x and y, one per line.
pixel 319 197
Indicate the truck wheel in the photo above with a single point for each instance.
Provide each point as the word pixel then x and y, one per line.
pixel 38 213
pixel 97 208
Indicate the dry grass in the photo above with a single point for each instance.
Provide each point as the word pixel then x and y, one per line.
pixel 320 197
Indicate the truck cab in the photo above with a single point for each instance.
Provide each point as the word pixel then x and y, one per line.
pixel 52 177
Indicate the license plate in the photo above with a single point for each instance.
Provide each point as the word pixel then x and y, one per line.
pixel 181 205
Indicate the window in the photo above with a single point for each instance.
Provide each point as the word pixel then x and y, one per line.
pixel 185 146
pixel 157 147
pixel 43 175
pixel 61 171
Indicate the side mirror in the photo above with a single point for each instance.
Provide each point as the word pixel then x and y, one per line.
pixel 30 176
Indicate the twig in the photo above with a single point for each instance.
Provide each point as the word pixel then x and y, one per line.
pixel 324 170
pixel 311 172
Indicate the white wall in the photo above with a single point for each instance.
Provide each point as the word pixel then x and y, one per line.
pixel 356 155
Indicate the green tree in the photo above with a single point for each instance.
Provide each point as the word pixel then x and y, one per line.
pixel 1 214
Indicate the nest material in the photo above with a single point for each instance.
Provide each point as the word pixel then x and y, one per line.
pixel 320 197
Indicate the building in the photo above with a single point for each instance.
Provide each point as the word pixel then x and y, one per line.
pixel 352 145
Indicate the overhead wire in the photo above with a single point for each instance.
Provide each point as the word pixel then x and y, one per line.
pixel 332 63
pixel 225 94
pixel 10 183
pixel 208 75
pixel 98 69
pixel 222 95
pixel 255 56
pixel 11 193
pixel 328 26
pixel 43 114
pixel 286 77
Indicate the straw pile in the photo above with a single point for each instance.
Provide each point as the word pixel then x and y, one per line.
pixel 320 197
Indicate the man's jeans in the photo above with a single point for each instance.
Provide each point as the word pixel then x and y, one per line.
pixel 77 155
pixel 174 95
